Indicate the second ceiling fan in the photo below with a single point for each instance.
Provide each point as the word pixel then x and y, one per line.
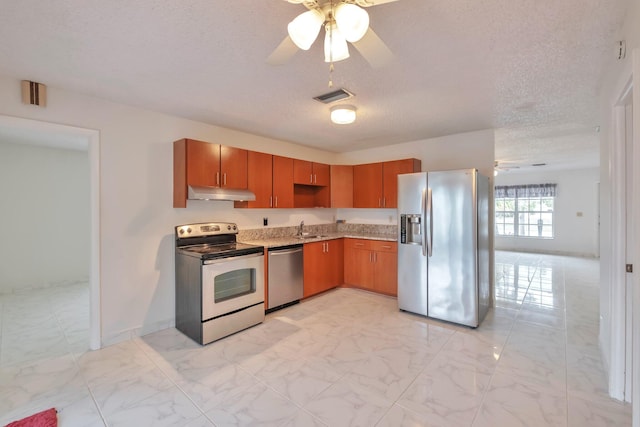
pixel 344 21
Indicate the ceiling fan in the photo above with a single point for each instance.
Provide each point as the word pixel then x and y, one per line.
pixel 344 21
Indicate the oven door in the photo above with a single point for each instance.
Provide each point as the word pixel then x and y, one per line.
pixel 230 284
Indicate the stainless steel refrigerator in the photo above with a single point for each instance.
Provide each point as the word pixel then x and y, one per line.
pixel 443 250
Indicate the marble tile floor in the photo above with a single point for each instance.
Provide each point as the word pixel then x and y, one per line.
pixel 344 358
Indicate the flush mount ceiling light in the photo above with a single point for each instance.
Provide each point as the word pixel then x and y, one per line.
pixel 343 114
pixel 344 21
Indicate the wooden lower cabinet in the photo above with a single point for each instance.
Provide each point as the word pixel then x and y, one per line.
pixel 323 266
pixel 371 265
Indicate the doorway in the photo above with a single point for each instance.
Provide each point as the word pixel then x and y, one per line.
pixel 55 135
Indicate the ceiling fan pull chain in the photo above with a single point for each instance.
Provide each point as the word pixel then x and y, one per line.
pixel 331 74
pixel 331 45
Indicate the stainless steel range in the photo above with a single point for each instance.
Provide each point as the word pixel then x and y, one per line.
pixel 219 282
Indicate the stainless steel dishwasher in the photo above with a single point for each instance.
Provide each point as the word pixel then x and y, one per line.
pixel 285 276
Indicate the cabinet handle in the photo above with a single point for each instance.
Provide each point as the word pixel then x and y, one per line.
pixel 386 247
pixel 310 178
pixel 315 178
pixel 359 244
pixel 224 180
pixel 379 202
pixel 370 257
pixel 217 179
pixel 375 257
pixel 384 202
pixel 270 201
pixel 276 201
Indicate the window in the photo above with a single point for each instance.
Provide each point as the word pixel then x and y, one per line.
pixel 525 210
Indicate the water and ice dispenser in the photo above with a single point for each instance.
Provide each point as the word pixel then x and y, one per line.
pixel 411 229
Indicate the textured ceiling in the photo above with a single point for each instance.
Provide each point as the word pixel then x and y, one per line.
pixel 531 69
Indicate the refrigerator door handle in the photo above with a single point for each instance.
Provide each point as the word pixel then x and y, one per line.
pixel 423 210
pixel 429 225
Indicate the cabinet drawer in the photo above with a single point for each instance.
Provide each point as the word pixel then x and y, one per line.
pixel 383 246
pixel 357 244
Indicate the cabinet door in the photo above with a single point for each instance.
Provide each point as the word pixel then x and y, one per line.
pixel 385 273
pixel 341 186
pixel 358 269
pixel 390 172
pixel 259 174
pixel 367 185
pixel 321 174
pixel 233 167
pixel 356 261
pixel 302 172
pixel 314 268
pixel 203 163
pixel 335 263
pixel 282 182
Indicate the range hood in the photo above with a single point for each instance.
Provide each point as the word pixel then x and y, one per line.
pixel 217 193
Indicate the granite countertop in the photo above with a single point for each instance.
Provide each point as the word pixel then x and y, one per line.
pixel 292 240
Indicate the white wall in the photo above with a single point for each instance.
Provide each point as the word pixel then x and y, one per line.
pixel 44 220
pixel 573 234
pixel 136 214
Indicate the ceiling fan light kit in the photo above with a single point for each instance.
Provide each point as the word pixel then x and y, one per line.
pixel 335 45
pixel 352 20
pixel 343 114
pixel 305 27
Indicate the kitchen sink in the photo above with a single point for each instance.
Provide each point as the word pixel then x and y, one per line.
pixel 311 236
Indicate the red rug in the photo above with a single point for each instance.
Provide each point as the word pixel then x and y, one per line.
pixel 48 418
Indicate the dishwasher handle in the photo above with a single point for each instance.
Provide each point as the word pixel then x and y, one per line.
pixel 285 252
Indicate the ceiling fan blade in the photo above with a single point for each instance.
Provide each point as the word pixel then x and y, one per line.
pixel 373 49
pixel 369 3
pixel 310 4
pixel 283 53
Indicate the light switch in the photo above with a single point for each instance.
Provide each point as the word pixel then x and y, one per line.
pixel 578 213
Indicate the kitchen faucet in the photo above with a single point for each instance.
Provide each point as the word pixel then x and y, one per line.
pixel 300 228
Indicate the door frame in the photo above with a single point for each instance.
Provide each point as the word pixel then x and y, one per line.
pixel 636 250
pixel 617 276
pixel 88 140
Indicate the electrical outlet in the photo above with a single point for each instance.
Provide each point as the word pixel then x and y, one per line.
pixel 265 221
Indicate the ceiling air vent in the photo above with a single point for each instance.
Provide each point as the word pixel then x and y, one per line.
pixel 336 95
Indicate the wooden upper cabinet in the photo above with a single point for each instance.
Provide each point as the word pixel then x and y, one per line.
pixel 321 174
pixel 194 163
pixel 233 167
pixel 390 172
pixel 367 185
pixel 282 182
pixel 259 178
pixel 302 172
pixel 310 173
pixel 375 185
pixel 341 186
pixel 202 163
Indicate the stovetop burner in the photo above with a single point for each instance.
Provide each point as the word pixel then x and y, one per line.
pixel 212 240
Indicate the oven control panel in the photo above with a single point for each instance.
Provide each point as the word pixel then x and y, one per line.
pixel 206 229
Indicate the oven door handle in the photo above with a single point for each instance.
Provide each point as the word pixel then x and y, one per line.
pixel 232 258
